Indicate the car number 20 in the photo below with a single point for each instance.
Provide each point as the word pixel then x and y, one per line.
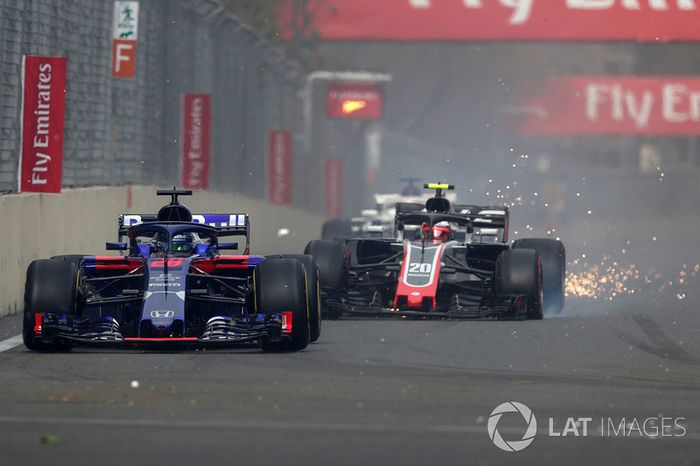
pixel 417 267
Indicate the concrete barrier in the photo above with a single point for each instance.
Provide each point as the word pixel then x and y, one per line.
pixel 34 226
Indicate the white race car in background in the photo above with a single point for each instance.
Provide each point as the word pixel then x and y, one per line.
pixel 379 221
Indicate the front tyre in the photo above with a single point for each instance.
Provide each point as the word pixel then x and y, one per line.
pixel 75 259
pixel 50 287
pixel 280 285
pixel 313 292
pixel 519 272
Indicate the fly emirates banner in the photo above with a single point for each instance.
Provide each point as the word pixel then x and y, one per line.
pixel 625 105
pixel 568 20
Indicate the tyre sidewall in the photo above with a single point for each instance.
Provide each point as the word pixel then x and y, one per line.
pixel 74 259
pixel 50 287
pixel 280 285
pixel 519 272
pixel 331 257
pixel 313 292
pixel 553 256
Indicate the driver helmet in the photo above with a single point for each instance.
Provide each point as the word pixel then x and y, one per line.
pixel 442 231
pixel 159 244
pixel 182 244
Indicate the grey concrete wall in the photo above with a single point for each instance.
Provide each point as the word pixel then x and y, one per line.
pixel 81 220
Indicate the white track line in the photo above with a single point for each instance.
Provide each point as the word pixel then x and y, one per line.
pixel 272 425
pixel 10 343
pixel 234 424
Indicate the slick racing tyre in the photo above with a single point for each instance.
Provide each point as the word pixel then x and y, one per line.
pixel 279 285
pixel 74 259
pixel 332 260
pixel 519 272
pixel 50 287
pixel 338 228
pixel 331 257
pixel 313 294
pixel 553 257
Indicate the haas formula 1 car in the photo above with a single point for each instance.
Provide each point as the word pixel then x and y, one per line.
pixel 447 261
pixel 173 286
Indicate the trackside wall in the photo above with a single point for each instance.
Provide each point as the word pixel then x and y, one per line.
pixel 81 221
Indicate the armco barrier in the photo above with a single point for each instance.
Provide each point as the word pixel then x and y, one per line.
pixel 82 220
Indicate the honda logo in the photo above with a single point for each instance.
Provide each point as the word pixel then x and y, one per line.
pixel 162 314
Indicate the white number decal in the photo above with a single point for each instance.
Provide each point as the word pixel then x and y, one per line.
pixel 420 268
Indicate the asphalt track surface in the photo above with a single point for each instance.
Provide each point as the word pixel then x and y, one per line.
pixel 370 392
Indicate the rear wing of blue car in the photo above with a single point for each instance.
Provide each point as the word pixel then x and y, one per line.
pixel 231 224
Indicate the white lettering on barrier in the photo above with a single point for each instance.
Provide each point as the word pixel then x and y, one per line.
pixel 672 95
pixel 678 103
pixel 42 112
pixel 659 5
pixel 522 9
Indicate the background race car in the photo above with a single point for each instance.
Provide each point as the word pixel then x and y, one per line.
pixel 446 260
pixel 378 222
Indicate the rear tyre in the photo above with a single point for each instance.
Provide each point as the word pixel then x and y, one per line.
pixel 331 257
pixel 338 228
pixel 332 260
pixel 280 286
pixel 50 287
pixel 519 272
pixel 313 294
pixel 553 257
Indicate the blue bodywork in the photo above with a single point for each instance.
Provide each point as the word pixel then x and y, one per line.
pixel 155 293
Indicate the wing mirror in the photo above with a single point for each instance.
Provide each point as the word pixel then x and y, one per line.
pixel 232 245
pixel 116 246
pixel 145 250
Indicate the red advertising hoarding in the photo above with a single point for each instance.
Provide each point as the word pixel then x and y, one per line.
pixel 279 167
pixel 334 188
pixel 625 105
pixel 354 100
pixel 597 20
pixel 195 140
pixel 43 107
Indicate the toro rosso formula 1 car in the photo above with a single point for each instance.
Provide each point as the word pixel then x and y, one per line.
pixel 447 261
pixel 173 286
